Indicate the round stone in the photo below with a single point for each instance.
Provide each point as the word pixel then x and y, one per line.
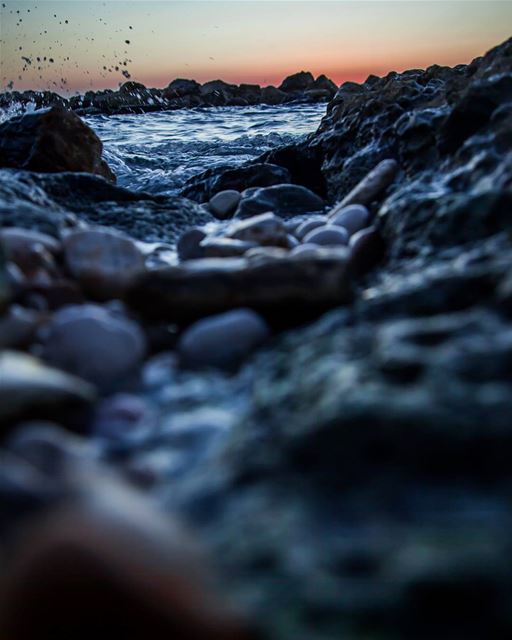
pixel 352 218
pixel 305 227
pixel 222 341
pixel 95 343
pixel 327 236
pixel 189 244
pixel 104 261
pixel 223 204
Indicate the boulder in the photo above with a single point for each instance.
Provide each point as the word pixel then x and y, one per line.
pixel 52 141
pixel 180 87
pixel 297 82
pixel 272 95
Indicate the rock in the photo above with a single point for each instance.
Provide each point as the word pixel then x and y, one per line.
pixel 324 83
pixel 328 236
pixel 189 244
pixel 102 260
pixel 121 417
pixel 224 203
pixel 224 247
pixel 352 218
pixel 265 229
pixel 99 345
pixel 52 141
pixel 17 242
pixel 222 341
pixel 18 327
pixel 285 200
pixel 203 187
pixel 284 291
pixel 272 95
pixel 308 225
pixel 83 564
pixel 297 82
pixel 131 87
pixel 5 281
pixel 370 187
pixel 29 388
pixel 367 249
pixel 262 254
pixel 32 252
pixel 180 87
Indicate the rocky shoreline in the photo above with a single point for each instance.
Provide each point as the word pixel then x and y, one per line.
pixel 307 359
pixel 134 97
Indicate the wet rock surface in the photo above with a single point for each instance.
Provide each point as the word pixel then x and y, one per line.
pixel 52 141
pixel 349 468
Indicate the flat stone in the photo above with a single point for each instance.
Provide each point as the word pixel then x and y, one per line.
pixel 328 235
pixel 102 260
pixel 285 291
pixel 265 229
pixel 308 225
pixel 224 247
pixel 29 387
pixel 222 341
pixel 95 343
pixel 352 218
pixel 224 203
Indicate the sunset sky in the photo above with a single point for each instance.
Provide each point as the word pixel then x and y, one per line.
pixel 82 44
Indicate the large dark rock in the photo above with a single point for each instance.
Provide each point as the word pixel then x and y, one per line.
pixel 297 82
pixel 181 87
pixel 52 202
pixel 212 181
pixel 52 141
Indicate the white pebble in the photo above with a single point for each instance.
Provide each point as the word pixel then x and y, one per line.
pixel 352 218
pixel 327 236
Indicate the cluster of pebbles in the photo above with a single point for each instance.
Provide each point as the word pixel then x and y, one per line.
pixel 83 306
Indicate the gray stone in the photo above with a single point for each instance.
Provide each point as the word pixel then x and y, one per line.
pixel 352 218
pixel 99 345
pixel 189 244
pixel 30 387
pixel 328 235
pixel 222 341
pixel 308 225
pixel 102 260
pixel 265 229
pixel 18 327
pixel 224 203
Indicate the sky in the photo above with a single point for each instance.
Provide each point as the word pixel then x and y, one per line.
pixel 75 45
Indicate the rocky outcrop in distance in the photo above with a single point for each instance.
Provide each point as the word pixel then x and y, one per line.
pixel 134 97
